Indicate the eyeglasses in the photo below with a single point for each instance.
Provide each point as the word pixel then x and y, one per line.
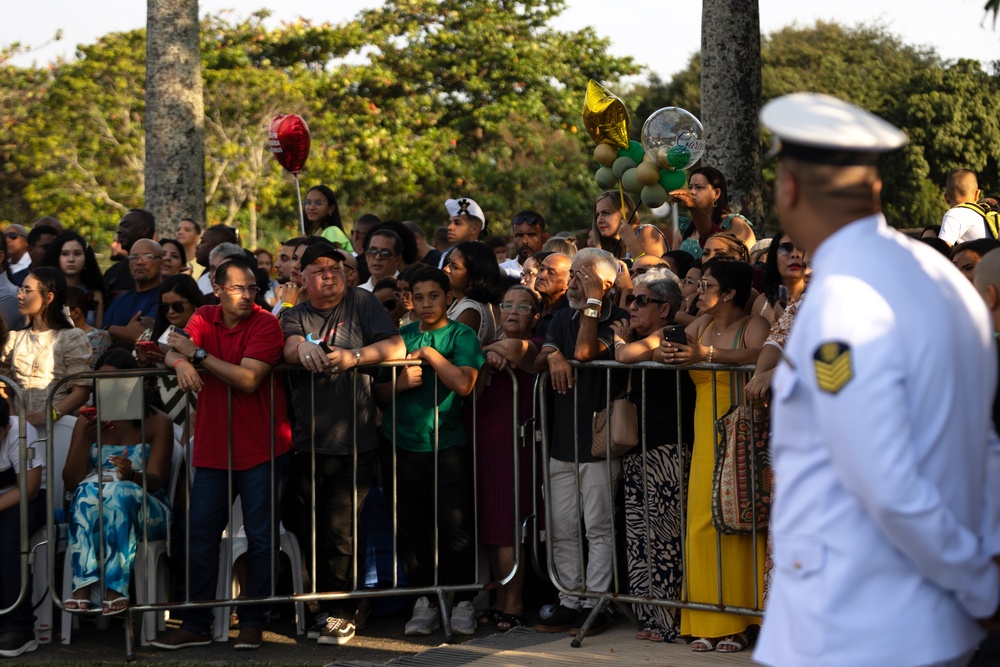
pixel 689 282
pixel 384 253
pixel 252 290
pixel 704 285
pixel 176 306
pixel 147 256
pixel 641 300
pixel 315 202
pixel 402 294
pixel 13 236
pixel 390 304
pixel 521 308
pixel 786 248
pixel 27 290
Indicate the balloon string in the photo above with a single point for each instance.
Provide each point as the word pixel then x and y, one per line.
pixel 621 199
pixel 298 193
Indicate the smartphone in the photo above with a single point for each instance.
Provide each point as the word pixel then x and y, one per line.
pixel 171 329
pixel 675 334
pixel 88 413
pixel 148 346
pixel 783 296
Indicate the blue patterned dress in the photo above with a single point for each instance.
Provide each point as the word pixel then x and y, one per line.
pixel 123 520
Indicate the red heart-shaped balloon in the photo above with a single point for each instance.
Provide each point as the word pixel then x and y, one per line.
pixel 288 139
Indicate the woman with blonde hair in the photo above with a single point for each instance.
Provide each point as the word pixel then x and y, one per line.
pixel 616 228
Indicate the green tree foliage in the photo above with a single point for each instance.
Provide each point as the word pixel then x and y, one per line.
pixel 407 104
pixel 949 110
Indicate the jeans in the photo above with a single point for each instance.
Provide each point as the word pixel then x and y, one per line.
pixel 335 514
pixel 208 516
pixel 20 619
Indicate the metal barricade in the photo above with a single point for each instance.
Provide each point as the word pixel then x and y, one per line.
pixel 25 453
pixel 311 559
pixel 581 441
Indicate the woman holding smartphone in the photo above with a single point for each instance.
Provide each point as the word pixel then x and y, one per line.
pixel 179 298
pixel 133 455
pixel 652 471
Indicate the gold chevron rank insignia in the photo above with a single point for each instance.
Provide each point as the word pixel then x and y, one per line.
pixel 833 366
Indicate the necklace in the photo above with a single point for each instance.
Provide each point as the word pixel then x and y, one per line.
pixel 727 329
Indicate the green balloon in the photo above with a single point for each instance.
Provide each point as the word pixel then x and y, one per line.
pixel 679 156
pixel 622 165
pixel 630 181
pixel 654 196
pixel 672 180
pixel 634 151
pixel 605 178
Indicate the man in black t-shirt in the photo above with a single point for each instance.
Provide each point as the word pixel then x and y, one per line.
pixel 337 330
pixel 581 332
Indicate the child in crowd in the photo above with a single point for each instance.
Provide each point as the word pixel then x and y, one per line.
pixel 452 352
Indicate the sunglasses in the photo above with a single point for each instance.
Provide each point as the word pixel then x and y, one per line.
pixel 13 236
pixel 641 300
pixel 402 294
pixel 531 221
pixel 786 248
pixel 384 253
pixel 389 304
pixel 176 306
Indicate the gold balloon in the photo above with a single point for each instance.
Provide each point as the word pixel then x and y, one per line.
pixel 604 116
pixel 605 155
pixel 647 173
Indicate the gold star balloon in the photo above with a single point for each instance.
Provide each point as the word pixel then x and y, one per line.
pixel 604 116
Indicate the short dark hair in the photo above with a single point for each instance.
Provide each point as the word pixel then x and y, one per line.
pixel 976 246
pixel 236 261
pixel 430 274
pixel 148 221
pixel 197 226
pixel 227 234
pixel 36 233
pixel 386 283
pixel 732 274
pixel 409 249
pixel 496 242
pixel 397 242
pixel 297 241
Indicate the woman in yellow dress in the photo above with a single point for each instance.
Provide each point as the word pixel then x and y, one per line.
pixel 722 334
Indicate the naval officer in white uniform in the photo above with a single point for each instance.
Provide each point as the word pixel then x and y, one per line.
pixel 884 455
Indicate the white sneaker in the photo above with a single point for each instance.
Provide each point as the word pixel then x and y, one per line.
pixel 463 618
pixel 426 619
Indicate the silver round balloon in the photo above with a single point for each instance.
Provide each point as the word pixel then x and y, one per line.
pixel 673 138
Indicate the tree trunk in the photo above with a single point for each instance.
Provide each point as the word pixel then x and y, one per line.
pixel 730 100
pixel 175 132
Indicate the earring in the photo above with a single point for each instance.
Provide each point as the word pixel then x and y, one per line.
pixel 715 202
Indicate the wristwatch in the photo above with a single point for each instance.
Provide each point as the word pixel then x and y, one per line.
pixel 592 312
pixel 198 356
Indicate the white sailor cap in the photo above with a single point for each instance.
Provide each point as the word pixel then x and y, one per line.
pixel 821 129
pixel 465 206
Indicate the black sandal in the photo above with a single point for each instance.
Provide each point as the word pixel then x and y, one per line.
pixel 508 621
pixel 490 617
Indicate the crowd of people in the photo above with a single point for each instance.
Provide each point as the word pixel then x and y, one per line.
pixel 307 446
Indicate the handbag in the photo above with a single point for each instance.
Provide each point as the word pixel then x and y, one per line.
pixel 741 478
pixel 624 426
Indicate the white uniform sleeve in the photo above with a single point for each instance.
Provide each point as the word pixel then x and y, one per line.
pixel 991 516
pixel 869 435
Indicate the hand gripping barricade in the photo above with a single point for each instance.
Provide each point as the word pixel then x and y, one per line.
pixel 668 568
pixel 120 396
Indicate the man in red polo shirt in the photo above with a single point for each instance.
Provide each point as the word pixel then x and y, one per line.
pixel 237 343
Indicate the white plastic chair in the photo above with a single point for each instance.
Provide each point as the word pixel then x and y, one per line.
pixel 288 544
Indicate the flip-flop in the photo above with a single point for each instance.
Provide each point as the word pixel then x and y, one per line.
pixel 109 606
pixel 655 636
pixel 490 617
pixel 703 645
pixel 77 604
pixel 508 621
pixel 643 634
pixel 733 643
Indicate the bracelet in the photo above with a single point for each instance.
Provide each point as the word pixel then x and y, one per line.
pixel 711 351
pixel 177 362
pixel 56 414
pixel 619 343
pixel 285 304
pixel 357 357
pixel 594 302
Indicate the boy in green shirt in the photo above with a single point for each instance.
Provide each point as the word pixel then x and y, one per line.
pixel 452 352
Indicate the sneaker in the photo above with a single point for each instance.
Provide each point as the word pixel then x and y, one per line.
pixel 318 626
pixel 561 620
pixel 426 619
pixel 13 643
pixel 463 618
pixel 181 638
pixel 337 631
pixel 249 639
pixel 599 625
